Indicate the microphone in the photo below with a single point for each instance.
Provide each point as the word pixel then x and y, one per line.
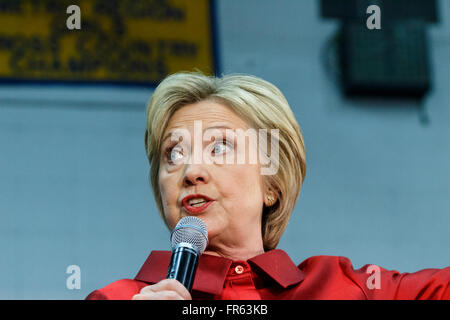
pixel 188 239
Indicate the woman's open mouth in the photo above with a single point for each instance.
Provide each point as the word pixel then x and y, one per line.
pixel 196 203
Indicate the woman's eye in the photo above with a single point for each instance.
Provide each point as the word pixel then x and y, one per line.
pixel 222 146
pixel 174 154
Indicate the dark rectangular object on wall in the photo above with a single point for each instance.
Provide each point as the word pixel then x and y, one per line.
pixel 390 61
pixel 425 10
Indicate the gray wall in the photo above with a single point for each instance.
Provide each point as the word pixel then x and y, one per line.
pixel 74 184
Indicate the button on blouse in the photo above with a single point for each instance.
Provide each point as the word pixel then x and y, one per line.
pixel 239 283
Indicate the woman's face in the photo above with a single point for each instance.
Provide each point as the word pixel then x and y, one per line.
pixel 236 191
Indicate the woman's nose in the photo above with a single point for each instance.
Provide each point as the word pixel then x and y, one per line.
pixel 195 174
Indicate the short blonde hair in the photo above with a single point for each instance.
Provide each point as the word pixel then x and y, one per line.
pixel 262 106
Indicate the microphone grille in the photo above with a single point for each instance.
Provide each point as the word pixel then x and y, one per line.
pixel 191 230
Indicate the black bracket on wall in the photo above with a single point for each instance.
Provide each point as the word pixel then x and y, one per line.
pixel 390 61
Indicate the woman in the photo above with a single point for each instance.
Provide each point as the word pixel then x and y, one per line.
pixel 245 211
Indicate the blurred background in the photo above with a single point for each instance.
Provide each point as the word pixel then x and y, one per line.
pixel 373 105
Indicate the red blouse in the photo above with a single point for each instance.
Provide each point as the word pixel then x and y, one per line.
pixel 272 276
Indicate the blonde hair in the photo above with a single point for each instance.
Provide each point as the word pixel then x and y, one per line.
pixel 262 106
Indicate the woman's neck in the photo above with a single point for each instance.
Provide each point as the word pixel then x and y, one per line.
pixel 236 253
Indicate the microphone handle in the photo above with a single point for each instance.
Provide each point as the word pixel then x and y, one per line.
pixel 183 265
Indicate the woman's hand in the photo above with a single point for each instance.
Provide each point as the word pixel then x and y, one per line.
pixel 167 289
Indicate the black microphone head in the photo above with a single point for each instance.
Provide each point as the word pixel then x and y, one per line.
pixel 191 230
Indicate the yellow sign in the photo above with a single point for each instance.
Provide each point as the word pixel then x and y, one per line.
pixel 119 41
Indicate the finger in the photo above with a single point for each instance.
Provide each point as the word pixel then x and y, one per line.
pixel 169 295
pixel 141 296
pixel 160 295
pixel 169 285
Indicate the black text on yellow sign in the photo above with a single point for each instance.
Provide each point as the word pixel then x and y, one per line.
pixel 119 41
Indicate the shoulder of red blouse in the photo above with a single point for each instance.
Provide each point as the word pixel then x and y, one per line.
pixel 318 277
pixel 333 277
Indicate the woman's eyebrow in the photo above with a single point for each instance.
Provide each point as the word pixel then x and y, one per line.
pixel 208 128
pixel 219 127
pixel 168 134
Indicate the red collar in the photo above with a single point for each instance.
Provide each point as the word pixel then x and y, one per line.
pixel 212 270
